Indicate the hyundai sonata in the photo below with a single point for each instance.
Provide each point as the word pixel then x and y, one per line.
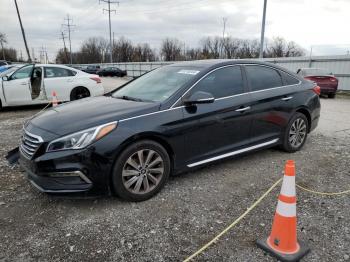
pixel 167 121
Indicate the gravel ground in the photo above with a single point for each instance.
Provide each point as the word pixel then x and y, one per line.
pixel 188 212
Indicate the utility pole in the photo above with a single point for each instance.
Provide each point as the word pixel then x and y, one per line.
pixel 109 10
pixel 68 26
pixel 261 54
pixel 43 55
pixel 23 34
pixel 224 21
pixel 33 54
pixel 64 44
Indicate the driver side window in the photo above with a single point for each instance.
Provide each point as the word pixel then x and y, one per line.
pixel 24 72
pixel 223 82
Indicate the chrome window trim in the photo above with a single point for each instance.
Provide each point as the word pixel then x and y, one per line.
pixel 221 98
pixel 242 93
pixel 233 153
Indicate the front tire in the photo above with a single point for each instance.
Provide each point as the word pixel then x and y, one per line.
pixel 296 133
pixel 141 171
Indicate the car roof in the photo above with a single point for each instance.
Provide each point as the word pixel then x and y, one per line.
pixel 213 63
pixel 220 62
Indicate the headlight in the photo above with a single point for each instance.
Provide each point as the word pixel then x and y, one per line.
pixel 81 139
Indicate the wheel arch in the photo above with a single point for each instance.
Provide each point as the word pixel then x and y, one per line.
pixel 153 136
pixel 306 112
pixel 150 136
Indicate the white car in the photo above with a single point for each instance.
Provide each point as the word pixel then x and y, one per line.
pixel 35 84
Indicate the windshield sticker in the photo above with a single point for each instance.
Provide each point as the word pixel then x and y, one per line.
pixel 188 72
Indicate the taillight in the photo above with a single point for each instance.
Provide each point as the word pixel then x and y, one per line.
pixel 333 79
pixel 317 90
pixel 97 79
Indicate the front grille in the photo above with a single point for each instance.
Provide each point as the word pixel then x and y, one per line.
pixel 29 144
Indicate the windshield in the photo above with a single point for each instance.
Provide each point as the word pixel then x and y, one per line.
pixel 315 72
pixel 158 85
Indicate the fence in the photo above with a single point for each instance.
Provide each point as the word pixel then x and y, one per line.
pixel 338 65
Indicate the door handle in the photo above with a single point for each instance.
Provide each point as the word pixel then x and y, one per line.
pixel 24 83
pixel 287 98
pixel 242 109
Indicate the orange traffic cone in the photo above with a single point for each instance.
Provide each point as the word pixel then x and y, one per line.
pixel 282 242
pixel 54 99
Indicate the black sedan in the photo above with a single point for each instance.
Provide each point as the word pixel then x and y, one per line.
pixel 112 71
pixel 167 121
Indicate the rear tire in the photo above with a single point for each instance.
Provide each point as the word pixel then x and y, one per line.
pixel 141 171
pixel 296 133
pixel 331 95
pixel 79 93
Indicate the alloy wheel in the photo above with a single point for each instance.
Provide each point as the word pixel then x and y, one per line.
pixel 143 171
pixel 297 133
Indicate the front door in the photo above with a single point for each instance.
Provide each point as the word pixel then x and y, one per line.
pixel 17 89
pixel 218 128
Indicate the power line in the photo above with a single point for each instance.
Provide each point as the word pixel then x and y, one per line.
pixel 23 34
pixel 109 10
pixel 68 26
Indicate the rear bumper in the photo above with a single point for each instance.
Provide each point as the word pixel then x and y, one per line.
pixel 328 89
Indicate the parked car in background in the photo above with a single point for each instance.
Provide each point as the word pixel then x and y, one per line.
pixel 9 69
pixel 81 68
pixel 4 62
pixel 169 120
pixel 5 67
pixel 323 78
pixel 92 69
pixel 35 83
pixel 112 71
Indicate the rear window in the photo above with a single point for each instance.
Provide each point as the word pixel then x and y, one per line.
pixel 261 77
pixel 288 79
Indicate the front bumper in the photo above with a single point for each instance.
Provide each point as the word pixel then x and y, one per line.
pixel 67 172
pixel 65 182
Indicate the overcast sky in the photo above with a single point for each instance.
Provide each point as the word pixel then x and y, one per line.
pixel 323 24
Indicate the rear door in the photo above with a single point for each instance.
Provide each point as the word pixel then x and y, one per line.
pixel 272 101
pixel 214 129
pixel 17 89
pixel 58 79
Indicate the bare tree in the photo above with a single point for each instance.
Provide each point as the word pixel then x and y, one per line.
pixel 211 47
pixel 3 40
pixel 123 50
pixel 171 49
pixel 279 47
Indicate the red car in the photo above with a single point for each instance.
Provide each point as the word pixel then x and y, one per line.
pixel 324 79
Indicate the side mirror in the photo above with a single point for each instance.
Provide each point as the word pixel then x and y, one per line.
pixel 199 98
pixel 5 78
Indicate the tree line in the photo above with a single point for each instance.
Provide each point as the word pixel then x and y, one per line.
pixel 96 50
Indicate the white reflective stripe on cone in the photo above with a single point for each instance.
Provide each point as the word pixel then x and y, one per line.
pixel 288 186
pixel 286 209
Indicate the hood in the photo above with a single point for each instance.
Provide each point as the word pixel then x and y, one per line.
pixel 85 113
